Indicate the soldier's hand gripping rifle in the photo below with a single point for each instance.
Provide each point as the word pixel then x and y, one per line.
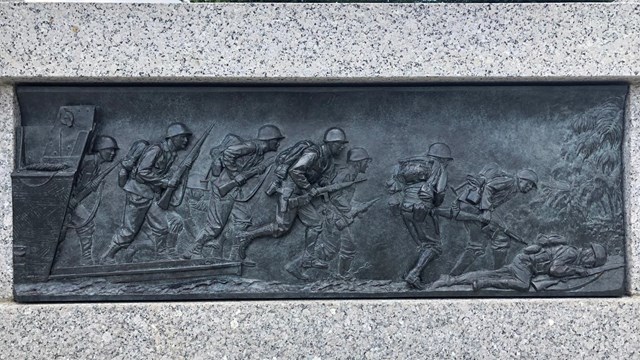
pixel 457 214
pixel 186 164
pixel 242 178
pixel 343 222
pixel 305 199
pixel 91 186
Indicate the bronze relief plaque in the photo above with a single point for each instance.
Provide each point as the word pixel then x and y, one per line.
pixel 201 192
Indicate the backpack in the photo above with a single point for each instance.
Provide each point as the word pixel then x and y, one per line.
pixel 477 183
pixel 131 160
pixel 217 151
pixel 290 155
pixel 413 170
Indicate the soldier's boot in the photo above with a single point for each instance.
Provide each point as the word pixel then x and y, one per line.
pixel 479 284
pixel 413 277
pixel 499 258
pixel 244 238
pixel 295 269
pixel 443 281
pixel 196 251
pixel 85 246
pixel 109 257
pixel 466 259
pixel 172 242
pixel 216 244
pixel 310 261
pixel 344 265
pixel 161 248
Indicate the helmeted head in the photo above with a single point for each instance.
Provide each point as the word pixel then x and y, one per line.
pixel 272 135
pixel 440 152
pixel 359 157
pixel 599 254
pixel 527 180
pixel 178 134
pixel 336 139
pixel 106 147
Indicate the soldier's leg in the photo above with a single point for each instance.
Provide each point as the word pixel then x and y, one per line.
pixel 135 212
pixel 430 249
pixel 84 232
pixel 217 217
pixel 158 227
pixel 313 220
pixel 500 246
pixel 240 219
pixel 85 235
pixel 476 242
pixel 409 222
pixel 347 253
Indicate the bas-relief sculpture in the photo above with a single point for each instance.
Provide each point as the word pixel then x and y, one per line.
pixel 124 193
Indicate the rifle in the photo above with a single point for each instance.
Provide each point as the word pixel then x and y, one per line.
pixel 259 169
pixel 186 164
pixel 305 199
pixel 91 186
pixel 547 282
pixel 449 213
pixel 343 222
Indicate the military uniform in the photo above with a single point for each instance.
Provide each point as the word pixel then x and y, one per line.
pixel 310 169
pixel 336 241
pixel 144 187
pixel 495 191
pixel 556 260
pixel 235 160
pixel 81 218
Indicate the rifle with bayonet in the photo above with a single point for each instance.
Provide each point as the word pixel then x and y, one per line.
pixel 186 164
pixel 242 178
pixel 305 199
pixel 350 217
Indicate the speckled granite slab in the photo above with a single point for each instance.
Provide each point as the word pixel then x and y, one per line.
pixel 323 43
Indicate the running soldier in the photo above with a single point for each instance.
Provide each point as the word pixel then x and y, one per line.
pixel 479 197
pixel 236 182
pixel 341 211
pixel 423 183
pixel 150 177
pixel 300 170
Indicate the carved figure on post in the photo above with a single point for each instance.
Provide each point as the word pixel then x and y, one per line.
pixel 237 172
pixel 301 171
pixel 423 183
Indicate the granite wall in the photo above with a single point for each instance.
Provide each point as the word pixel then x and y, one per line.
pixel 312 43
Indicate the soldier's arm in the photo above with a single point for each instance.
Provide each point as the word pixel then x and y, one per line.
pixel 562 264
pixel 231 155
pixel 297 171
pixel 342 199
pixel 146 167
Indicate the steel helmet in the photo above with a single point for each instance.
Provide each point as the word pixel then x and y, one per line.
pixel 528 174
pixel 440 150
pixel 176 129
pixel 104 142
pixel 357 154
pixel 269 132
pixel 335 134
pixel 599 253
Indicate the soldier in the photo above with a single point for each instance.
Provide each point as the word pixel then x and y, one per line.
pixel 341 212
pixel 423 185
pixel 237 168
pixel 475 205
pixel 90 179
pixel 551 256
pixel 300 169
pixel 147 181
